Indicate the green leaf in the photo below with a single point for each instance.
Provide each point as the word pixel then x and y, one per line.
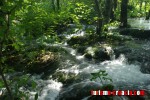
pixel 36 96
pixel 34 84
pixel 1 84
pixel 16 46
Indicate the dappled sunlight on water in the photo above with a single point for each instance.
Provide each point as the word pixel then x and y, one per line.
pixel 139 23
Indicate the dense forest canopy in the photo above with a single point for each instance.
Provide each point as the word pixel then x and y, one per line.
pixel 25 25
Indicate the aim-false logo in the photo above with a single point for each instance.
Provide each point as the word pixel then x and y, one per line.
pixel 119 92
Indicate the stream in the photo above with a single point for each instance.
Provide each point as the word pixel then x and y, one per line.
pixel 125 75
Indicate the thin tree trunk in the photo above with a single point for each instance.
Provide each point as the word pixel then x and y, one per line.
pixel 6 17
pixel 108 10
pixel 145 5
pixel 114 7
pixel 123 15
pixel 58 5
pixel 148 15
pixel 115 4
pixel 5 83
pixel 141 6
pixel 53 4
pixel 1 55
pixel 100 21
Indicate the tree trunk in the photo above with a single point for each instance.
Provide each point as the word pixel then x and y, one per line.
pixel 148 15
pixel 141 6
pixel 58 5
pixel 114 7
pixel 123 15
pixel 7 20
pixel 108 10
pixel 145 5
pixel 115 4
pixel 53 4
pixel 6 16
pixel 99 21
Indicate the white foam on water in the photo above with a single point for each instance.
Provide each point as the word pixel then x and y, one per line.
pixel 47 89
pixel 50 91
pixel 79 33
pixel 139 23
pixel 118 70
pixel 74 69
pixel 80 57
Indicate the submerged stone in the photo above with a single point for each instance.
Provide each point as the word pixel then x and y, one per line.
pixel 137 33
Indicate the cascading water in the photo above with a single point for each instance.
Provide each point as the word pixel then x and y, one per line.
pixel 124 75
pixel 49 89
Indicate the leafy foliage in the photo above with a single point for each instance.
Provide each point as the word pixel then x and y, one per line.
pixel 26 26
pixel 102 75
pixel 18 85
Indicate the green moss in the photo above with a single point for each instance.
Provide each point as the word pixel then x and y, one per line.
pixel 81 49
pixel 64 77
pixel 77 40
pixel 44 62
pixel 88 56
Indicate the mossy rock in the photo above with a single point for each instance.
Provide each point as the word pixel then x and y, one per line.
pixel 77 40
pixel 88 56
pixel 65 78
pixel 101 54
pixel 43 63
pixel 97 53
pixel 81 49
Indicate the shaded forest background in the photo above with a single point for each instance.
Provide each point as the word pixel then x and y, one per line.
pixel 25 25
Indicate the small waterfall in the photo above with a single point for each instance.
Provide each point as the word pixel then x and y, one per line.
pixel 47 89
pixel 124 75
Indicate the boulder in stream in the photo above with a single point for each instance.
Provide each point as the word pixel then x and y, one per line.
pixel 78 91
pixel 99 53
pixel 82 90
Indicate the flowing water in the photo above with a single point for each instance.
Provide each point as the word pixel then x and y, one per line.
pixel 124 75
pixel 140 23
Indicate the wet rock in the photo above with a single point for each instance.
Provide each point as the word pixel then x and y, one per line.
pixel 80 40
pixel 82 90
pixel 135 55
pixel 78 91
pixel 88 56
pixel 98 53
pixel 121 50
pixel 65 78
pixel 145 67
pixel 81 49
pixel 101 54
pixel 137 33
pixel 44 62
